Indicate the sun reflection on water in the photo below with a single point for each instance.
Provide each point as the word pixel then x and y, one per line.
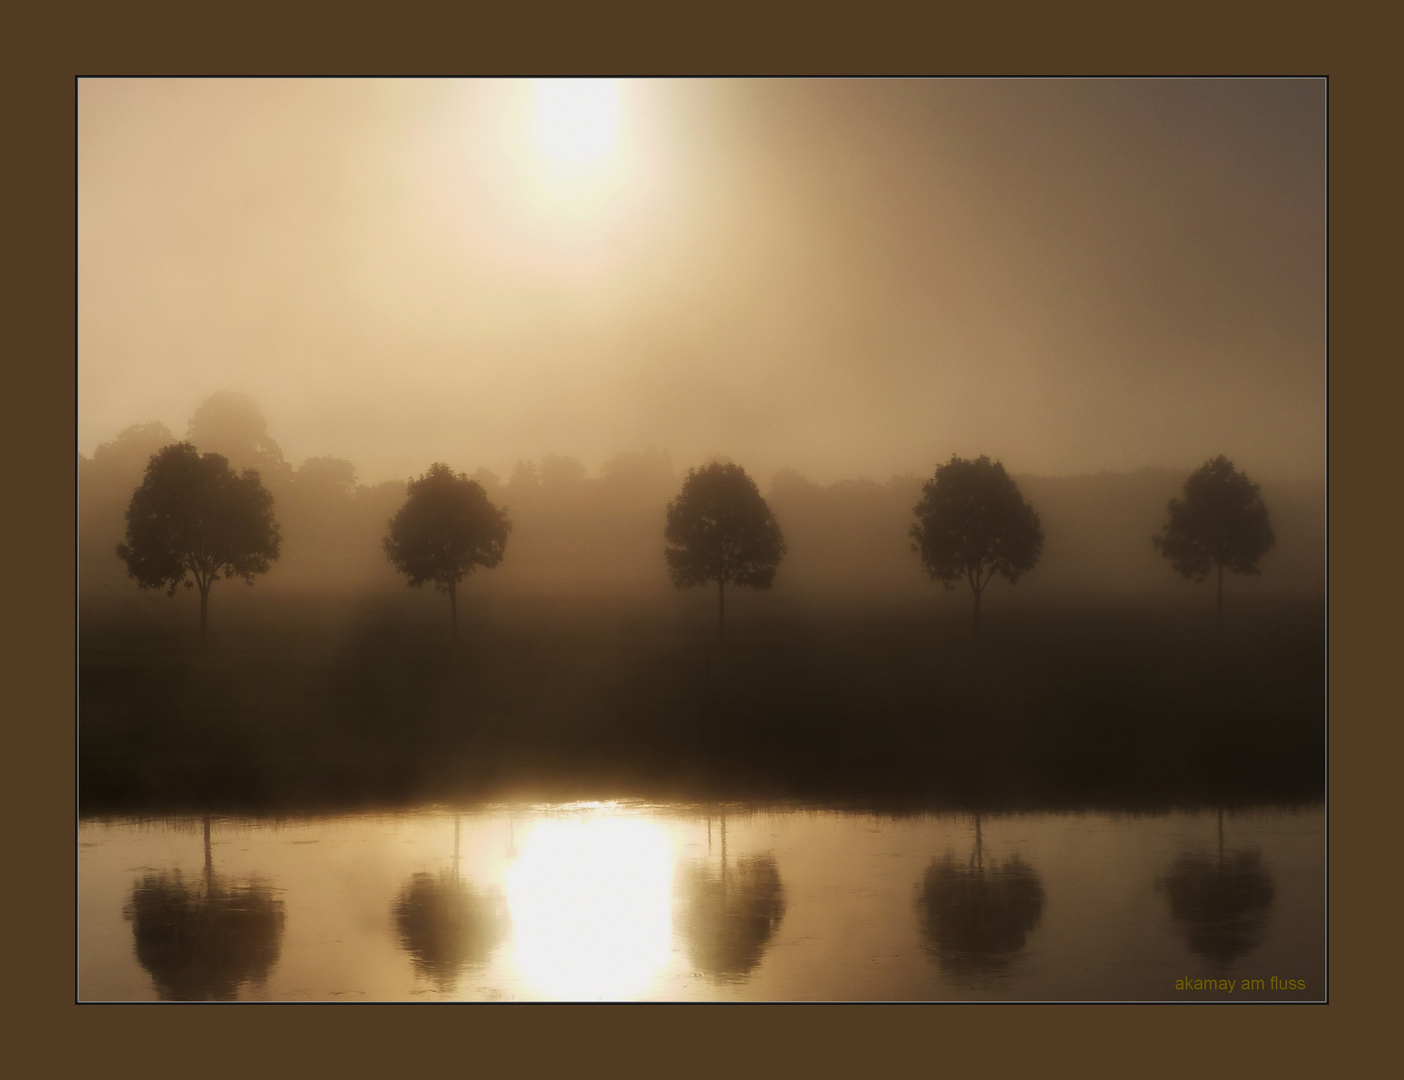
pixel 591 904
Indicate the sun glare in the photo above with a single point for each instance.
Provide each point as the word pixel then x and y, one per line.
pixel 577 120
pixel 591 904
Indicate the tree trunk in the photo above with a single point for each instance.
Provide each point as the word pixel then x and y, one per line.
pixel 453 607
pixel 721 608
pixel 204 609
pixel 723 876
pixel 1219 606
pixel 975 623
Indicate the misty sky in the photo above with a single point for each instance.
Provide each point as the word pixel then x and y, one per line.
pixel 850 278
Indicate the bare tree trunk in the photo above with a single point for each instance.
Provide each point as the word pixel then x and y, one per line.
pixel 453 607
pixel 975 623
pixel 204 610
pixel 1219 606
pixel 721 608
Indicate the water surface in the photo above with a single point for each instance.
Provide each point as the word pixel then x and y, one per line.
pixel 590 901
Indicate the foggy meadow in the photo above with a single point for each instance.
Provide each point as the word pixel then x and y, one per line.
pixel 580 669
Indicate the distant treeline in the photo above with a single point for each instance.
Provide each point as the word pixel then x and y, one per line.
pixel 580 534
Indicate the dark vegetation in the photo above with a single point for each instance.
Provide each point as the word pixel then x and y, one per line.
pixel 193 521
pixel 445 530
pixel 574 534
pixel 972 524
pixel 1099 679
pixel 1221 522
pixel 720 529
pixel 300 705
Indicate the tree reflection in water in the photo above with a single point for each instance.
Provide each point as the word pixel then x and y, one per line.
pixel 202 941
pixel 976 917
pixel 1221 903
pixel 446 925
pixel 728 914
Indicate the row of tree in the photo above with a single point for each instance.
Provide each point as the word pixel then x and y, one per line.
pixel 597 533
pixel 194 519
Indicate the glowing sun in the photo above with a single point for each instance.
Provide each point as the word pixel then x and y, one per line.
pixel 577 120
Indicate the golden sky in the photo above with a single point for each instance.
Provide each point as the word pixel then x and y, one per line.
pixel 850 278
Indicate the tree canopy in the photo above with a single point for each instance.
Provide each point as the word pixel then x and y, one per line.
pixel 193 520
pixel 233 425
pixel 1219 523
pixel 445 530
pixel 720 529
pixel 973 523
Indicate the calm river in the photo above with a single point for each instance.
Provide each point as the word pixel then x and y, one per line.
pixel 591 901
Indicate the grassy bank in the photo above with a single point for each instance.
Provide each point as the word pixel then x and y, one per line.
pixel 302 702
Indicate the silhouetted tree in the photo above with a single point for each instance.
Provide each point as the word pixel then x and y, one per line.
pixel 1220 522
pixel 193 520
pixel 720 529
pixel 446 529
pixel 973 523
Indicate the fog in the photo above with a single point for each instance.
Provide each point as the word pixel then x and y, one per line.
pixel 601 536
pixel 852 280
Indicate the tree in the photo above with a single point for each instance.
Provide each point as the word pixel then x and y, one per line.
pixel 972 523
pixel 1220 522
pixel 193 520
pixel 233 425
pixel 720 529
pixel 444 531
pixel 105 485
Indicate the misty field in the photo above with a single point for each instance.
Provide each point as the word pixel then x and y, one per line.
pixel 305 702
